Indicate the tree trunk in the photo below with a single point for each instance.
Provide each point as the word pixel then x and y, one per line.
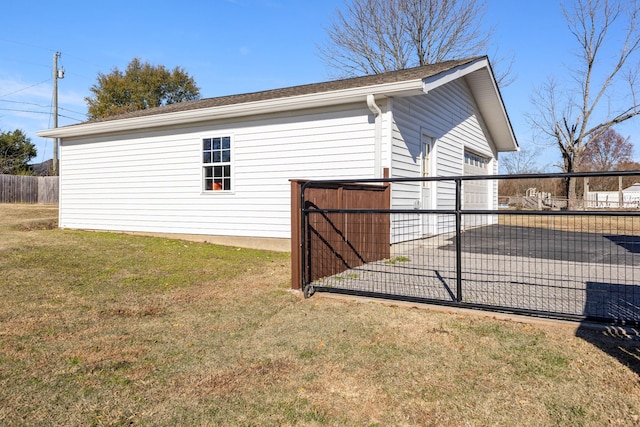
pixel 572 200
pixel 569 182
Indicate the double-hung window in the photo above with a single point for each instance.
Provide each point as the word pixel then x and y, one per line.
pixel 216 162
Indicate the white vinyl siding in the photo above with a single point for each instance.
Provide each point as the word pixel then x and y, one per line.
pixel 448 115
pixel 152 181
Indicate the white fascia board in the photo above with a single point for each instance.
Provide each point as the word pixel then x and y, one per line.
pixel 299 102
pixel 487 97
pixel 433 82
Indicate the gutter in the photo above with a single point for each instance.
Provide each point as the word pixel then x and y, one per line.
pixel 345 96
pixel 377 153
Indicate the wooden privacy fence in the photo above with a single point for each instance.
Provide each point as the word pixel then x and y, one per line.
pixel 334 242
pixel 29 189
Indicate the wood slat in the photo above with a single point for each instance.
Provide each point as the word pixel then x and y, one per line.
pixel 339 241
pixel 29 189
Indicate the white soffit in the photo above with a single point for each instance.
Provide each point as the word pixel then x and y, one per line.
pixel 486 94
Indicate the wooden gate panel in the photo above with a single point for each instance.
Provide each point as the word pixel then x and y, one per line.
pixel 337 241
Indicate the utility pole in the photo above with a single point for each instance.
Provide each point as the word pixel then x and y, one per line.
pixel 57 74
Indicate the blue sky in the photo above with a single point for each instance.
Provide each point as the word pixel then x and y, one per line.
pixel 229 46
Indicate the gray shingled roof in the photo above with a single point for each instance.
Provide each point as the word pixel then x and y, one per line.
pixel 355 82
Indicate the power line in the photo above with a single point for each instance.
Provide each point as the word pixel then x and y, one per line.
pixel 41 112
pixel 71 111
pixel 24 102
pixel 25 88
pixel 72 118
pixel 66 54
pixel 38 105
pixel 24 111
pixel 27 44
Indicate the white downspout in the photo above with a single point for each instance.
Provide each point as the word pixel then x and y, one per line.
pixel 377 155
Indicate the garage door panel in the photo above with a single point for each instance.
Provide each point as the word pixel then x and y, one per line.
pixel 475 193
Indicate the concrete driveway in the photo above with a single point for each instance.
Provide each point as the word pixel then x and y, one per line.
pixel 546 272
pixel 547 244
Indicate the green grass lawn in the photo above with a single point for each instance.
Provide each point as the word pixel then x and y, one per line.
pixel 113 329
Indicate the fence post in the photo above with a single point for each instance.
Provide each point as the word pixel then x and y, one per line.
pixel 620 193
pixel 586 197
pixel 305 245
pixel 458 182
pixel 539 200
pixel 296 232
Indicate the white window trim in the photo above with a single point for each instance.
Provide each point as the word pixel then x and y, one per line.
pixel 427 163
pixel 231 163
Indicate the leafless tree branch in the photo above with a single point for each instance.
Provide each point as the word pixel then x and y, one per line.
pixel 597 75
pixel 375 36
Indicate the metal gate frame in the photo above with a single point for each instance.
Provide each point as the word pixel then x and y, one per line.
pixel 310 279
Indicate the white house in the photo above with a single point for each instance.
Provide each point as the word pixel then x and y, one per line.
pixel 219 168
pixel 611 199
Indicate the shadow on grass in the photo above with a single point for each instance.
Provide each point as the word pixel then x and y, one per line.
pixel 619 342
pixel 614 301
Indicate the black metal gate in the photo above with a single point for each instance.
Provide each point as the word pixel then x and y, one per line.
pixel 538 256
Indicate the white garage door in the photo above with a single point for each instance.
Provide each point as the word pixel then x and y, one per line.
pixel 475 193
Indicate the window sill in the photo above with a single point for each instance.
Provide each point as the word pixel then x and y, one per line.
pixel 216 192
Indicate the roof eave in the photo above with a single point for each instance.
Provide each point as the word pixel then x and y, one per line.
pixel 477 73
pixel 344 96
pixel 486 93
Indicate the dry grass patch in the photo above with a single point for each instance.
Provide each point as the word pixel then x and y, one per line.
pixel 23 217
pixel 579 223
pixel 112 329
pixel 19 213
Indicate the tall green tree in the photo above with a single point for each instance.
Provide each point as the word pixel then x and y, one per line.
pixel 139 87
pixel 15 152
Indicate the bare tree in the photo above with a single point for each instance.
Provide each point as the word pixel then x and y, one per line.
pixel 628 181
pixel 377 36
pixel 520 162
pixel 523 161
pixel 606 152
pixel 604 75
pixel 610 151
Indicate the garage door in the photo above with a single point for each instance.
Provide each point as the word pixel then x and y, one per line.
pixel 475 193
